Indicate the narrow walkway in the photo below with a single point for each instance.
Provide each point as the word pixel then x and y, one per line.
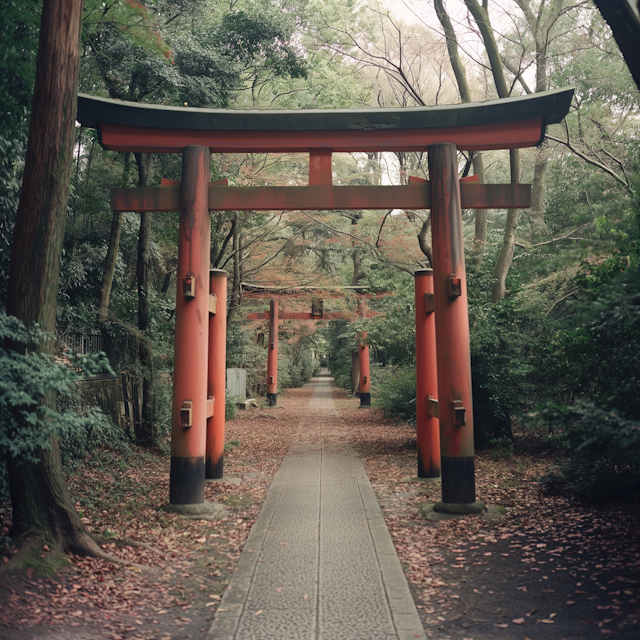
pixel 319 563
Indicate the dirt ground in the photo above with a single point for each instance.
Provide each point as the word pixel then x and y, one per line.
pixel 545 569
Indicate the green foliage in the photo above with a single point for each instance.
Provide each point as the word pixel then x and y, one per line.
pixel 201 59
pixel 244 353
pixel 230 407
pixel 396 392
pixel 264 36
pixel 501 447
pixel 29 383
pixel 18 50
pixel 99 433
pixel 603 461
pixel 392 333
pixel 340 337
pixel 506 347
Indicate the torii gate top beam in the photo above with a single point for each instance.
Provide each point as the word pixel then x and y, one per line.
pixel 508 123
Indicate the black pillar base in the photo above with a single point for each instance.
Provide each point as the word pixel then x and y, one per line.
pixel 214 471
pixel 365 399
pixel 272 399
pixel 458 509
pixel 186 482
pixel 458 480
pixel 424 472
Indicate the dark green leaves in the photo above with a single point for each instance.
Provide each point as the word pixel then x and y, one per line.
pixel 29 382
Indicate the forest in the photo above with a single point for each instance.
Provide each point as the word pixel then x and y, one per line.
pixel 554 290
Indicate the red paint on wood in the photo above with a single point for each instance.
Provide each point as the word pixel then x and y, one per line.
pixel 192 314
pixel 451 314
pixel 324 197
pixel 365 372
pixel 216 377
pixel 320 166
pixel 508 135
pixel 427 426
pixel 363 352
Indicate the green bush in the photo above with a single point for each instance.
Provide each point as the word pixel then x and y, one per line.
pixel 603 454
pixel 30 381
pixel 507 347
pixel 31 385
pixel 101 433
pixel 501 447
pixel 230 406
pixel 396 392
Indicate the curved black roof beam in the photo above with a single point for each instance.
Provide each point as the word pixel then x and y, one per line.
pixel 496 124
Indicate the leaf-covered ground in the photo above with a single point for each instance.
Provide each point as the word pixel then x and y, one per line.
pixel 546 569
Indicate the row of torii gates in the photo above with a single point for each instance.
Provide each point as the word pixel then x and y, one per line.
pixel 317 313
pixel 443 387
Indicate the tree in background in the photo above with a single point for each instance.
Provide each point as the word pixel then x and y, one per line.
pixel 18 47
pixel 43 511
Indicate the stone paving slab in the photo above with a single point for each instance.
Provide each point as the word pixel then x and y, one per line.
pixel 319 563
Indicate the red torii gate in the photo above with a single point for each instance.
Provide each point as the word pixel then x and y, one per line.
pixel 195 133
pixel 317 313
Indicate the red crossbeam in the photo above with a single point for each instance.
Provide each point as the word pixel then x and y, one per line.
pixel 503 135
pixel 323 197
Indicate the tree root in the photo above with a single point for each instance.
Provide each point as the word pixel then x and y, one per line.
pixel 125 542
pixel 35 552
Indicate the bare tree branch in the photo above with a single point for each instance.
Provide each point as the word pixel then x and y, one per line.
pixel 567 143
pixel 564 237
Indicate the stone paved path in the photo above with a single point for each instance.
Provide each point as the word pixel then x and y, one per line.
pixel 319 563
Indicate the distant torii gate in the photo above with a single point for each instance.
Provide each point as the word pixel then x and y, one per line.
pixel 440 131
pixel 317 313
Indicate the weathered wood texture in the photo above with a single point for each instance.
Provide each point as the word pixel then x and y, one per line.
pixel 323 197
pixel 452 325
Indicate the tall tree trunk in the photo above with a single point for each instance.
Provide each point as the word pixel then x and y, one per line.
pixel 112 255
pixel 358 270
pixel 109 267
pixel 537 191
pixel 42 506
pixel 235 286
pixel 503 264
pixel 146 432
pixel 620 16
pixel 505 258
pixel 423 239
pixel 480 235
pixel 355 372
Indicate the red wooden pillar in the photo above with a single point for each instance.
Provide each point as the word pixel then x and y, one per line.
pixel 189 415
pixel 365 374
pixel 452 331
pixel 427 423
pixel 363 355
pixel 272 359
pixel 217 378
